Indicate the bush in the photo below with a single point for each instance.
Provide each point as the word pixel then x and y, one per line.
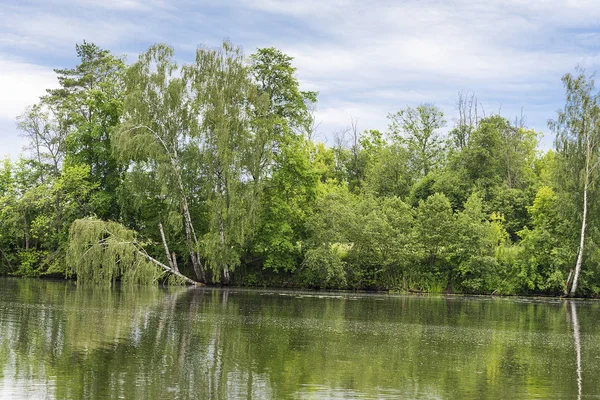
pixel 323 268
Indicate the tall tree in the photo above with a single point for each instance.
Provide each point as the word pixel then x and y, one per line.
pixel 157 130
pixel 577 129
pixel 223 95
pixel 280 154
pixel 90 99
pixel 275 76
pixel 468 108
pixel 418 129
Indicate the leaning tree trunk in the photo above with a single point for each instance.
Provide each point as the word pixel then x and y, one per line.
pixel 583 225
pixel 168 269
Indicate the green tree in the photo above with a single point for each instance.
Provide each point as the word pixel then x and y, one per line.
pixel 388 174
pixel 435 230
pixel 474 248
pixel 45 131
pixel 223 93
pixel 417 128
pixel 283 164
pixel 577 129
pixel 90 99
pixel 382 243
pixel 546 255
pixel 157 131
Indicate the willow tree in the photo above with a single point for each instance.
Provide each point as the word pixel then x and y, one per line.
pixel 577 129
pixel 223 95
pixel 158 129
pixel 105 252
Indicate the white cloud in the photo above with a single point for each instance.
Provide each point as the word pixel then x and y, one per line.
pixel 51 30
pixel 365 58
pixel 21 85
pixel 384 55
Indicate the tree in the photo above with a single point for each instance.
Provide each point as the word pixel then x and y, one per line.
pixel 417 129
pixel 388 172
pixel 382 243
pixel 90 98
pixel 282 162
pixel 435 229
pixel 545 254
pixel 157 130
pixel 287 202
pixel 467 121
pixel 473 250
pixel 577 130
pixel 224 95
pixel 104 252
pixel 329 228
pixel 47 136
pixel 275 76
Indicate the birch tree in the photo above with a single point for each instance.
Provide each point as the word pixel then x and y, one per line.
pixel 157 130
pixel 223 93
pixel 577 129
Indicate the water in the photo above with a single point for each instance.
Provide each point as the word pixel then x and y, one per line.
pixel 61 341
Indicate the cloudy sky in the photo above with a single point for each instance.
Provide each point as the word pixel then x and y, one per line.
pixel 365 58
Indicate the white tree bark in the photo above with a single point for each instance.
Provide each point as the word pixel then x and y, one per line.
pixel 583 220
pixel 168 269
pixel 577 342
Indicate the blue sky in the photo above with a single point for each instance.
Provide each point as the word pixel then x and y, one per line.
pixel 366 59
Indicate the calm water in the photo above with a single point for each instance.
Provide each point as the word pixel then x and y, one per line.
pixel 58 340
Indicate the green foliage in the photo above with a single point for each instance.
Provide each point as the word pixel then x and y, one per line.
pixel 388 172
pixel 274 75
pixel 31 263
pixel 435 231
pixel 105 252
pixel 287 203
pixel 417 129
pixel 90 97
pixel 323 268
pixel 546 257
pixel 382 250
pixel 221 154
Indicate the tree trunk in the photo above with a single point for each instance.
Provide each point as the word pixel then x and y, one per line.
pixel 583 224
pixel 166 268
pixel 581 243
pixel 192 242
pixel 190 234
pixel 170 259
pixel 222 240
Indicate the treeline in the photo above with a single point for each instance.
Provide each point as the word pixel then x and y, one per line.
pixel 210 172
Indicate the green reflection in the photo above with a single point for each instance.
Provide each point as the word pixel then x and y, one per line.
pixel 59 340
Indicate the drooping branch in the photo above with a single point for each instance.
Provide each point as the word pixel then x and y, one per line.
pixel 104 252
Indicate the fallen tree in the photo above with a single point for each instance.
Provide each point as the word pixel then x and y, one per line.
pixel 104 252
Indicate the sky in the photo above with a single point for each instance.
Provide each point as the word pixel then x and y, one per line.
pixel 365 58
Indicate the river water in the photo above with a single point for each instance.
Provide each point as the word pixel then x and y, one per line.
pixel 58 340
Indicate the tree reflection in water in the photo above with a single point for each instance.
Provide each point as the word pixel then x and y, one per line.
pixel 577 345
pixel 59 340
